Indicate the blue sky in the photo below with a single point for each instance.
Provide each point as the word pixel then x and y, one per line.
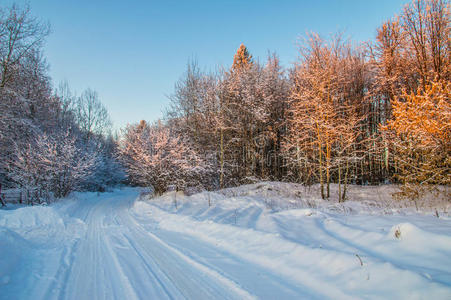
pixel 132 52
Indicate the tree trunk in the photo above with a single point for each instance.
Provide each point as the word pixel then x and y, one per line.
pixel 321 179
pixel 339 184
pixel 328 169
pixel 345 183
pixel 221 159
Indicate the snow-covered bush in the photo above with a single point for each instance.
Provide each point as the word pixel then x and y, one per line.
pixel 155 156
pixel 52 164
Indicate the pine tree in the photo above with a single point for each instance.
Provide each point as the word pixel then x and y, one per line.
pixel 242 59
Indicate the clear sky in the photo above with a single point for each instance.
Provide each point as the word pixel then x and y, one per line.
pixel 132 52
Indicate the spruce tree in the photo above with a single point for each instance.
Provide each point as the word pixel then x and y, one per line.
pixel 242 59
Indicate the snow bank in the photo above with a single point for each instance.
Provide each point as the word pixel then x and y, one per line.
pixel 27 236
pixel 29 217
pixel 41 225
pixel 13 249
pixel 360 199
pixel 353 250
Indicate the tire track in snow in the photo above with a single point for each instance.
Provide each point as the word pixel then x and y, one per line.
pixel 65 266
pixel 268 285
pixel 257 254
pixel 93 271
pixel 210 284
pixel 118 259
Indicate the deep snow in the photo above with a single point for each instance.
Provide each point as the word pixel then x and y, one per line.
pixel 267 240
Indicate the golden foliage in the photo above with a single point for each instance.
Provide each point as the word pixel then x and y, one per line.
pixel 424 116
pixel 420 132
pixel 242 59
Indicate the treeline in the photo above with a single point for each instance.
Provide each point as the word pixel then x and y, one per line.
pixel 373 113
pixel 51 141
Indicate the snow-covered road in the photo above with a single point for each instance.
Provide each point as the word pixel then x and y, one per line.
pixel 113 246
pixel 117 258
pixel 120 259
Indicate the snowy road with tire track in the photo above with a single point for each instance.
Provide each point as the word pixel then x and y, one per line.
pixel 113 246
pixel 118 259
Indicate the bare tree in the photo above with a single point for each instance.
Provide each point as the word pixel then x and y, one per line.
pixel 323 120
pixel 427 30
pixel 68 100
pixel 20 36
pixel 193 115
pixel 91 115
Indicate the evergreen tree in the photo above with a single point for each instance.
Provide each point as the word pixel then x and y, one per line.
pixel 242 59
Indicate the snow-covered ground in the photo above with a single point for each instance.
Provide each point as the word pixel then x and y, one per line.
pixel 267 241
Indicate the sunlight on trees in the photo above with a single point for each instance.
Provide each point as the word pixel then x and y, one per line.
pixel 370 113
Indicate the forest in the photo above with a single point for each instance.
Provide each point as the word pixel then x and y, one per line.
pixel 370 113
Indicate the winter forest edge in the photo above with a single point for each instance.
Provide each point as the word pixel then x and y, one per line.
pixel 373 113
